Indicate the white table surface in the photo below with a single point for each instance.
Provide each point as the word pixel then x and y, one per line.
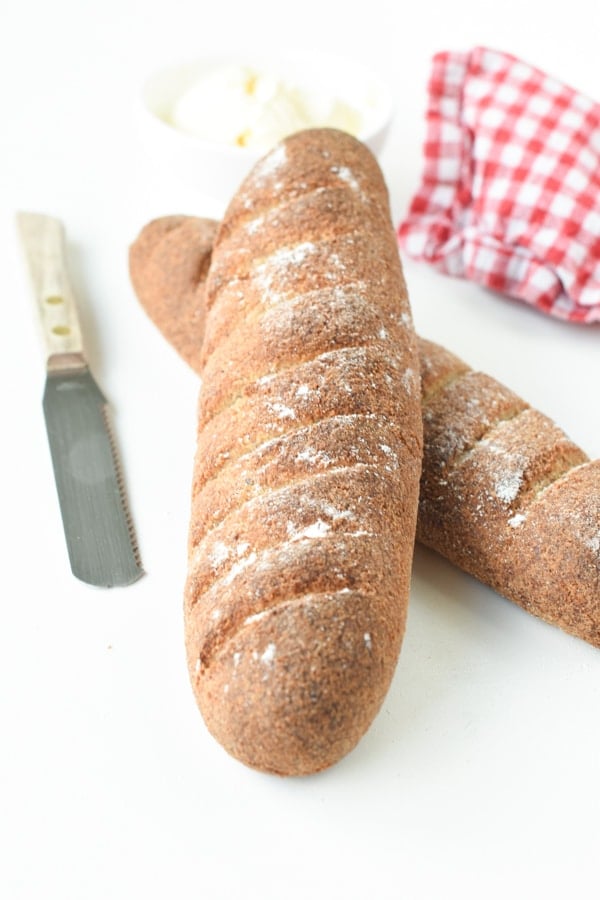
pixel 481 775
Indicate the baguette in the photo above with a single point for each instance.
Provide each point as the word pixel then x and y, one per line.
pixel 504 495
pixel 508 497
pixel 309 448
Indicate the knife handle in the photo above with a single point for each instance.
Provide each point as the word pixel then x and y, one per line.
pixel 45 248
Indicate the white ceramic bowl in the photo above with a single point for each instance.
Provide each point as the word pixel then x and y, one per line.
pixel 217 169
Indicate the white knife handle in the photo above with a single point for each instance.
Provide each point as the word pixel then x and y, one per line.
pixel 45 248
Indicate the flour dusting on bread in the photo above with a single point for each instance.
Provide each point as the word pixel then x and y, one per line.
pixel 308 458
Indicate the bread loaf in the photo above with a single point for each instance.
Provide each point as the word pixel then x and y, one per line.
pixel 504 494
pixel 508 497
pixel 306 473
pixel 169 263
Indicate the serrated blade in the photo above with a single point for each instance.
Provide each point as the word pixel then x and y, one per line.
pixel 98 530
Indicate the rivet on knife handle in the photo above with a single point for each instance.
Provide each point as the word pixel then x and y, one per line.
pixel 98 529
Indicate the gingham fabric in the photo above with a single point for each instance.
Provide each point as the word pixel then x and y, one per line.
pixel 510 191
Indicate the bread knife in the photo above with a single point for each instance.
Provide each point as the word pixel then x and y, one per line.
pixel 98 529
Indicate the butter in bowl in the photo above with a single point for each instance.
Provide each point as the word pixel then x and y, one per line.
pixel 210 120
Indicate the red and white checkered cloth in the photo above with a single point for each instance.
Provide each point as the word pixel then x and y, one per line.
pixel 510 192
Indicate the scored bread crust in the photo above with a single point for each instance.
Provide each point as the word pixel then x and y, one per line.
pixel 504 494
pixel 507 496
pixel 308 458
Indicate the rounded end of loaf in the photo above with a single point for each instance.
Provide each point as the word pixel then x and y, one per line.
pixel 557 545
pixel 297 687
pixel 323 156
pixel 168 263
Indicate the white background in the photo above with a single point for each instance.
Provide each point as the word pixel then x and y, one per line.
pixel 481 776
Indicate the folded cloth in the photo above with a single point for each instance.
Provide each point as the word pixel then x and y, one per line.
pixel 510 192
